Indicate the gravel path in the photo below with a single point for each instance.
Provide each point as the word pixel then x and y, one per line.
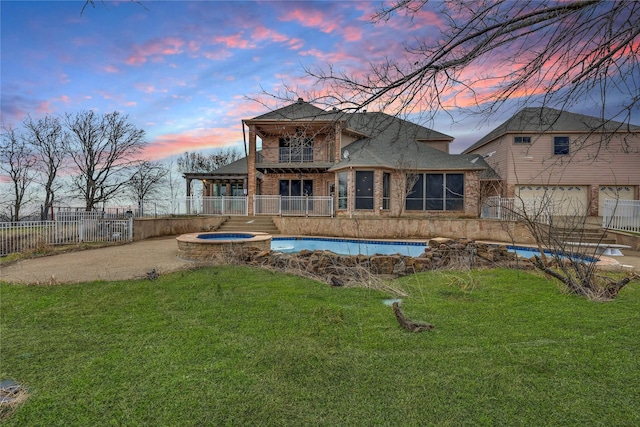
pixel 122 262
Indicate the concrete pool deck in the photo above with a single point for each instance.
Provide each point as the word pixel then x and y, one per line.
pixel 135 260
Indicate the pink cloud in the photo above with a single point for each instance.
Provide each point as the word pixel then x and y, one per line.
pixel 156 49
pixel 327 57
pixel 235 41
pixel 111 69
pixel 217 55
pixel 311 18
pixel 44 107
pixel 264 33
pixel 352 34
pixel 171 144
pixel 63 98
pixel 145 88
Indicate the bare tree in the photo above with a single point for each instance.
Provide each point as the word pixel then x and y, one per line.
pixel 46 136
pixel 552 52
pixel 92 3
pixel 17 161
pixel 567 250
pixel 102 148
pixel 199 162
pixel 405 178
pixel 193 162
pixel 146 181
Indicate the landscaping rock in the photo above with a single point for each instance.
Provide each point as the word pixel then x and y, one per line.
pixel 443 253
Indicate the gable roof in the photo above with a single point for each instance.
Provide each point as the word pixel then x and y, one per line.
pixel 299 110
pixel 396 144
pixel 539 120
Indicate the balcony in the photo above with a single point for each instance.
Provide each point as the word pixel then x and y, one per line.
pixel 295 154
pixel 292 160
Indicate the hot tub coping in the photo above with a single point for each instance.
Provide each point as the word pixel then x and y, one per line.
pixel 258 236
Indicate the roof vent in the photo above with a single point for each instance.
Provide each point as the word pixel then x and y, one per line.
pixel 300 100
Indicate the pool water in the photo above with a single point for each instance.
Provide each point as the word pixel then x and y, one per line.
pixel 347 246
pixel 224 236
pixel 526 252
pixel 372 247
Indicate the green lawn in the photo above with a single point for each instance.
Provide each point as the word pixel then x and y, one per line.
pixel 243 347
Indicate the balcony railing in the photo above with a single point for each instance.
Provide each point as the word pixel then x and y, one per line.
pixel 295 154
pixel 293 205
pixel 292 155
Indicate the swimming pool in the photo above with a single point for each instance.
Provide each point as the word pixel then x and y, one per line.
pixel 527 252
pixel 347 246
pixel 372 247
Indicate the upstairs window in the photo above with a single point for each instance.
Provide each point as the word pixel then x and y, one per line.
pixel 522 140
pixel 561 145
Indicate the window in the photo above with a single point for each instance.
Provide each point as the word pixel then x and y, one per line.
pixel 386 190
pixel 364 189
pixel 296 187
pixel 342 190
pixel 437 192
pixel 236 189
pixel 561 145
pixel 522 140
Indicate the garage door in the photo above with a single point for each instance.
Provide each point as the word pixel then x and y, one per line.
pixel 562 200
pixel 616 193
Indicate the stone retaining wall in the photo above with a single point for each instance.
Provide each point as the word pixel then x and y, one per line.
pixel 405 228
pixel 440 254
pixel 145 228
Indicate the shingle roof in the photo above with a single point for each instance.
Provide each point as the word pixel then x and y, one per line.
pixel 396 144
pixel 543 119
pixel 299 110
pixel 238 167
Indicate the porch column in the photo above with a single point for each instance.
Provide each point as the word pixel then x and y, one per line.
pixel 338 142
pixel 251 169
pixel 188 196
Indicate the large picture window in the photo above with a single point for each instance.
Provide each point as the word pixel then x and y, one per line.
pixel 437 192
pixel 296 187
pixel 364 189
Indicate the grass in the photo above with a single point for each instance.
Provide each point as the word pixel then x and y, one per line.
pixel 241 346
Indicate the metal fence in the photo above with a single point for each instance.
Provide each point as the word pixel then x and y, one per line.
pixel 623 215
pixel 31 235
pixel 293 205
pixel 514 209
pixel 220 205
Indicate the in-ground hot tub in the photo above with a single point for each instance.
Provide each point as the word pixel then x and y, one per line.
pixel 208 245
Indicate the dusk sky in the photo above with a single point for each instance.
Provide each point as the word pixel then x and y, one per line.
pixel 186 72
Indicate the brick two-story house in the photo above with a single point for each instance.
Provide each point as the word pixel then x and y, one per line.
pixel 367 164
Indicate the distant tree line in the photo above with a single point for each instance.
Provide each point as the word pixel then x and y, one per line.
pixel 90 156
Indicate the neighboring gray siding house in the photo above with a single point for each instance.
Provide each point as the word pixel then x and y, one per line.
pixel 575 160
